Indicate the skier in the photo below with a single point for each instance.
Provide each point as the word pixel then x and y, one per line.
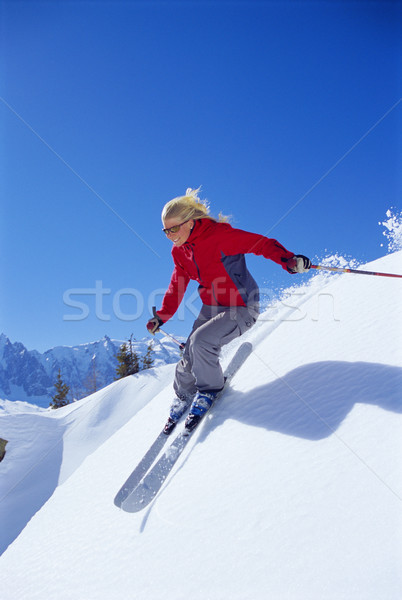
pixel 211 252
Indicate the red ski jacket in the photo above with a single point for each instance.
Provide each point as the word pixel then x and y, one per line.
pixel 213 255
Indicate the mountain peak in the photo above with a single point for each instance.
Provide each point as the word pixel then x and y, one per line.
pixel 29 375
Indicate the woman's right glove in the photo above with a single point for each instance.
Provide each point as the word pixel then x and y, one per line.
pixel 298 264
pixel 154 324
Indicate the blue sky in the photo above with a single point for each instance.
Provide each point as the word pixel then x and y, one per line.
pixel 285 112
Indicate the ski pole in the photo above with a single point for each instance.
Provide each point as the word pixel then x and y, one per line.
pixel 180 344
pixel 342 270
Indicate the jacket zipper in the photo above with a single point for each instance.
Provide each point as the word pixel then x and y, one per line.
pixel 214 295
pixel 195 262
pixel 199 276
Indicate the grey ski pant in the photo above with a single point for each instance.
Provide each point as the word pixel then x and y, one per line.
pixel 199 369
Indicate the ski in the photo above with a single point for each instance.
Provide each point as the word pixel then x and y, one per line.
pixel 141 469
pixel 142 494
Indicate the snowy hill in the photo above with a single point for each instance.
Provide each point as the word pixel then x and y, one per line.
pixel 29 376
pixel 290 490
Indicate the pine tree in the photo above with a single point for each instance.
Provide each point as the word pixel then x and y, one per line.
pixel 123 362
pixel 128 360
pixel 3 444
pixel 148 359
pixel 60 397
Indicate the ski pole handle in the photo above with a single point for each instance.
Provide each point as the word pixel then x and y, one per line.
pixel 342 270
pixel 180 344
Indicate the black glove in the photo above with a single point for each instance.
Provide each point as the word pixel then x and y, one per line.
pixel 298 264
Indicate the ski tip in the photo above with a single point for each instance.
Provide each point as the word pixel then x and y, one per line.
pixel 120 497
pixel 132 509
pixel 136 505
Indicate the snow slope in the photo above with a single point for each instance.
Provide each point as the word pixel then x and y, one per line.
pixel 290 490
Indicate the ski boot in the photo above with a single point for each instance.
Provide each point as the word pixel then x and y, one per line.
pixel 201 404
pixel 179 406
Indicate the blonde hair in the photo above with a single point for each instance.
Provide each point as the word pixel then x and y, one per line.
pixel 189 207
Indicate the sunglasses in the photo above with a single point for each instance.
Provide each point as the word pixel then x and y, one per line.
pixel 174 229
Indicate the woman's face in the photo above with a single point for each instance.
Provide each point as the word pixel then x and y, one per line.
pixel 180 237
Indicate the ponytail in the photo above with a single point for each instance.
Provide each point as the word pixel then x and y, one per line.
pixel 189 207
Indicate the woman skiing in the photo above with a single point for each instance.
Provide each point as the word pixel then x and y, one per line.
pixel 212 253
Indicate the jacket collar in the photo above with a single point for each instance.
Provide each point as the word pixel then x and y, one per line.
pixel 200 227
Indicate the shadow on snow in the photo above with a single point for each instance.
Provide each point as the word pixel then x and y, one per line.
pixel 312 401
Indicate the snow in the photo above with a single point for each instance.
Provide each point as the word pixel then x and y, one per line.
pixel 290 490
pixel 393 229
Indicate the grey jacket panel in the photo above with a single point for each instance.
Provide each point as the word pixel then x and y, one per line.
pixel 238 272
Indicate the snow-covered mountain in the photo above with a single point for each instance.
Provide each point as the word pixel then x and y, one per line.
pixel 30 376
pixel 290 489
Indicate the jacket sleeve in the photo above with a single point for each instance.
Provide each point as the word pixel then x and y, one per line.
pixel 174 294
pixel 237 241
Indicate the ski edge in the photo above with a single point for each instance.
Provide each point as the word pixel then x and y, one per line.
pixel 140 470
